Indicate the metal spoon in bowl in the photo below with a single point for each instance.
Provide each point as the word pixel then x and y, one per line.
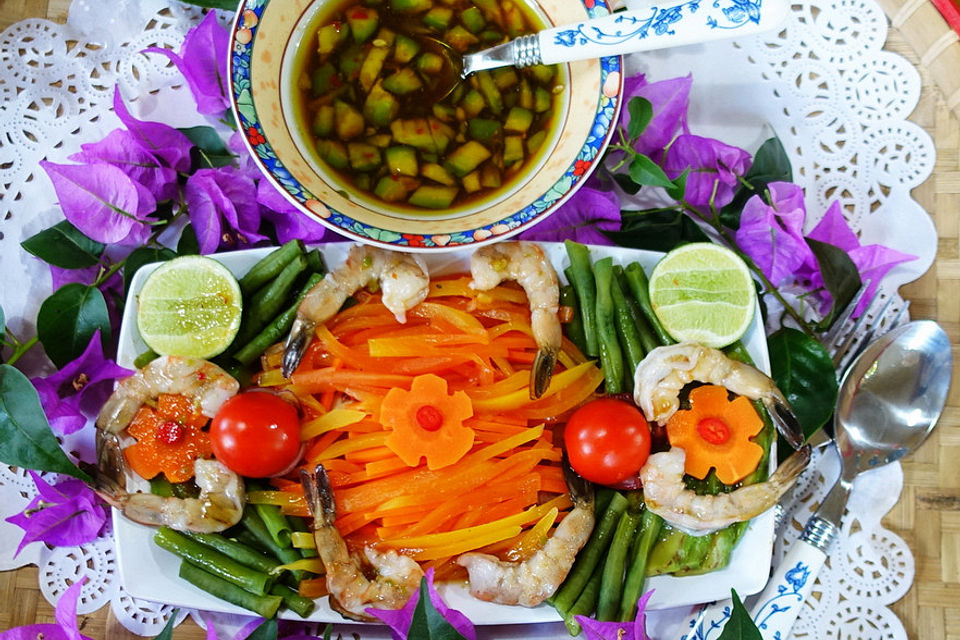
pixel 890 400
pixel 653 27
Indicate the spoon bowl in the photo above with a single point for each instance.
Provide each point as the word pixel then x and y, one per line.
pixel 893 395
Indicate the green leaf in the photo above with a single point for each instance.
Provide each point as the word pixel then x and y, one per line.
pixel 624 182
pixel 840 275
pixel 64 246
pixel 139 257
pixel 645 171
pixel 656 231
pixel 770 164
pixel 226 5
pixel 210 151
pixel 28 441
pixel 266 631
pixel 641 113
pixel 740 626
pixel 188 244
pixel 679 185
pixel 427 623
pixel 68 319
pixel 167 633
pixel 803 370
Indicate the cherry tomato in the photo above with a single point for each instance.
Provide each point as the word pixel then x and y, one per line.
pixel 607 441
pixel 256 434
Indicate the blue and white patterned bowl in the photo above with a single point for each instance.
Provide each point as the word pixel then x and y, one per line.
pixel 264 39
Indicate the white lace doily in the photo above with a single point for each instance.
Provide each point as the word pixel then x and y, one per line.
pixel 823 85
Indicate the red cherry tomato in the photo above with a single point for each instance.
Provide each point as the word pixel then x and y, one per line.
pixel 607 441
pixel 256 434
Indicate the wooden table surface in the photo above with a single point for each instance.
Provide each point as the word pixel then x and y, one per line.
pixel 928 514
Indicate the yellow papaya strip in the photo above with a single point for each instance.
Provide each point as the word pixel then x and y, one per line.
pixel 333 419
pixel 521 397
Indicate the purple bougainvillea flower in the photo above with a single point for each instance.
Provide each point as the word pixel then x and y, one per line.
pixel 222 205
pixel 79 389
pixel 772 234
pixel 123 150
pixel 65 615
pixel 670 100
pixel 103 202
pixel 64 515
pixel 170 146
pixel 873 261
pixel 203 63
pixel 289 221
pixel 714 169
pixel 583 218
pixel 636 630
pixel 399 620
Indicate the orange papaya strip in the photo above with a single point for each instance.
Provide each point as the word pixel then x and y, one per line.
pixel 317 447
pixel 328 378
pixel 521 397
pixel 551 479
pixel 350 522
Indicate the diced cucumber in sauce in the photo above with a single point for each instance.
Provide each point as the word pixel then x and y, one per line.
pixel 405 49
pixel 380 107
pixel 472 19
pixel 363 22
pixel 348 121
pixel 467 157
pixel 438 18
pixel 483 129
pixel 333 153
pixel 323 121
pixel 372 65
pixel 435 172
pixel 512 150
pixel 363 156
pixel 330 37
pixel 411 6
pixel 402 160
pixel 394 188
pixel 518 120
pixel 460 39
pixel 402 82
pixel 431 196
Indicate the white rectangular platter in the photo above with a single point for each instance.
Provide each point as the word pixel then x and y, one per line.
pixel 148 572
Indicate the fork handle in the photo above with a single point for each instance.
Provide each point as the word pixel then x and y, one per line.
pixel 653 27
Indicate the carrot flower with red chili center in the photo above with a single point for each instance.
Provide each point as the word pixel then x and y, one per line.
pixel 427 422
pixel 715 433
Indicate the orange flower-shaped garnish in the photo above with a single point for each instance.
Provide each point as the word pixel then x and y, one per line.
pixel 169 439
pixel 715 432
pixel 427 422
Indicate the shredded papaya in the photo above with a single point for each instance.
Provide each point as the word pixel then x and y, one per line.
pixel 715 433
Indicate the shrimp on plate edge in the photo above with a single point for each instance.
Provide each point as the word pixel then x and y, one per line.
pixel 222 496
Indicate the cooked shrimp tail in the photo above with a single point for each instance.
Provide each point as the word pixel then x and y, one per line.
pixel 786 421
pixel 351 592
pixel 218 507
pixel 666 494
pixel 402 278
pixel 532 581
pixel 526 263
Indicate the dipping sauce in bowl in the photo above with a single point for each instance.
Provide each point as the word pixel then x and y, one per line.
pixel 276 64
pixel 377 109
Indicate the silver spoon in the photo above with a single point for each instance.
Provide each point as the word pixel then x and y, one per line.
pixel 621 33
pixel 890 400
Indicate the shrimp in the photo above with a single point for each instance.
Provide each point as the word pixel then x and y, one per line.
pixel 403 279
pixel 397 575
pixel 532 581
pixel 221 499
pixel 218 507
pixel 666 495
pixel 666 370
pixel 526 263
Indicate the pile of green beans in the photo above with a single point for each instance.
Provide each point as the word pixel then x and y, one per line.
pixel 614 321
pixel 242 565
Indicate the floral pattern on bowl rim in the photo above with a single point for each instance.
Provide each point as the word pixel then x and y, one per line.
pixel 243 39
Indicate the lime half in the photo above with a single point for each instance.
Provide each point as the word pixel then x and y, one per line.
pixel 702 292
pixel 189 306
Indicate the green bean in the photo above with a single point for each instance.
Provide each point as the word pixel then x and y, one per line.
pixel 263 605
pixel 647 533
pixel 270 266
pixel 627 331
pixel 315 262
pixel 242 553
pixel 160 486
pixel 574 327
pixel 614 566
pixel 253 523
pixel 591 555
pixel 586 603
pixel 640 287
pixel 273 519
pixel 301 606
pixel 648 341
pixel 264 305
pixel 611 357
pixel 580 275
pixel 274 332
pixel 243 536
pixel 145 358
pixel 213 561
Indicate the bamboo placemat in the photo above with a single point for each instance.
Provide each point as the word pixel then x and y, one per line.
pixel 928 514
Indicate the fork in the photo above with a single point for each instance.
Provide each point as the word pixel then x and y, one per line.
pixel 844 341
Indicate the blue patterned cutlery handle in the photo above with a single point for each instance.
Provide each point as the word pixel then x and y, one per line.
pixel 671 24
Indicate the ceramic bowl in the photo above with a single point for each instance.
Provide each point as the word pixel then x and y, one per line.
pixel 264 40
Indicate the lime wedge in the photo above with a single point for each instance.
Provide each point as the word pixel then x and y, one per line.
pixel 702 292
pixel 190 306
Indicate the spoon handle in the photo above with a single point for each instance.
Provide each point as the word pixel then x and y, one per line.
pixel 655 27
